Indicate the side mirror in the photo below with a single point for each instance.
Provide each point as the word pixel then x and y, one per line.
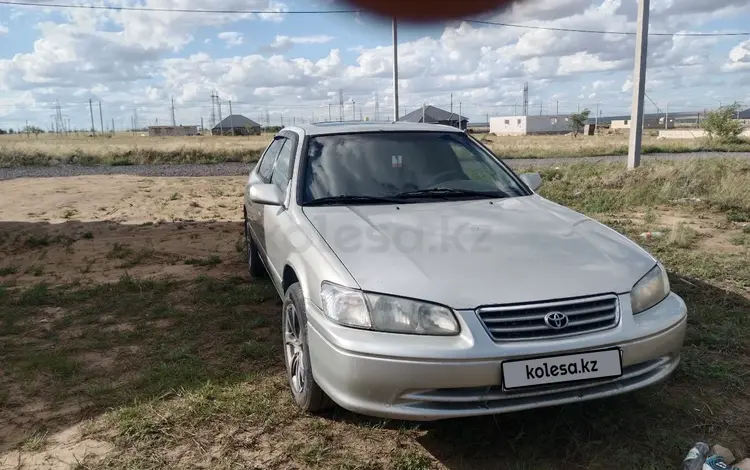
pixel 266 194
pixel 532 180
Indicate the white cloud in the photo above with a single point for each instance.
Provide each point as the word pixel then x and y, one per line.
pixel 3 29
pixel 231 38
pixel 739 57
pixel 285 43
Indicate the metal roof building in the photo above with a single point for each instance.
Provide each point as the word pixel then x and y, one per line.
pixel 236 124
pixel 433 115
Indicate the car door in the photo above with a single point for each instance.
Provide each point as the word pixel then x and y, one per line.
pixel 261 174
pixel 278 221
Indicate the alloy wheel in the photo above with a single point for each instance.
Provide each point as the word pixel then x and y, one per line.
pixel 294 349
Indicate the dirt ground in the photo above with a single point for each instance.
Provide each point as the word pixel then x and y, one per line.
pixel 133 338
pixel 94 229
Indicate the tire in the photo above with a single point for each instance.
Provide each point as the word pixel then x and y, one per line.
pixel 254 263
pixel 305 391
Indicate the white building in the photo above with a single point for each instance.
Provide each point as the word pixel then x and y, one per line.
pixel 523 125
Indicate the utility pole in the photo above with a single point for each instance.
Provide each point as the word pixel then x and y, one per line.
pixel 135 120
pixel 329 112
pixel 451 105
pixel 423 112
pixel 113 126
pixel 666 117
pixel 91 110
pixel 395 70
pixel 354 111
pixel 202 124
pixel 541 105
pixel 174 122
pixel 514 108
pixel 231 118
pixel 101 117
pixel 377 107
pixel 557 107
pixel 460 124
pixel 639 85
pixel 596 119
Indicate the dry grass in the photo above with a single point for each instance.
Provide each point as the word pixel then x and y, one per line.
pixel 126 149
pixel 565 146
pixel 722 183
pixel 124 368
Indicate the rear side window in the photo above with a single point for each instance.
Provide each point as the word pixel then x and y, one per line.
pixel 281 171
pixel 265 167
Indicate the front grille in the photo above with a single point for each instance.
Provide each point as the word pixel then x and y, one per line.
pixel 526 321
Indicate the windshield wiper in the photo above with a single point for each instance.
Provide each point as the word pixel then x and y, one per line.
pixel 352 199
pixel 451 192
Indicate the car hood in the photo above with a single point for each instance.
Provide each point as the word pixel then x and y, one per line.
pixel 464 254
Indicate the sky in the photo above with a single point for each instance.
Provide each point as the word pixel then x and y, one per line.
pixel 287 68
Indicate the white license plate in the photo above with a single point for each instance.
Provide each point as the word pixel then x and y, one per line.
pixel 557 369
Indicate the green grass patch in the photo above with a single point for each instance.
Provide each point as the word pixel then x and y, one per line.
pixel 609 187
pixel 211 261
pixel 8 270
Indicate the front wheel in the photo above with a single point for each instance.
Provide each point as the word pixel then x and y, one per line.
pixel 305 391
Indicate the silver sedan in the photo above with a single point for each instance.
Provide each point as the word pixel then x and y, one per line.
pixel 423 279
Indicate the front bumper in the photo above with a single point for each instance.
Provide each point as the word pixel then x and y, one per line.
pixel 427 378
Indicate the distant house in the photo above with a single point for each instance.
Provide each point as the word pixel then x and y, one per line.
pixel 236 124
pixel 433 115
pixel 172 131
pixel 525 125
pixel 656 122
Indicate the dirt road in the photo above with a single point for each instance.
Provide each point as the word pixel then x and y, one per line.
pixel 241 169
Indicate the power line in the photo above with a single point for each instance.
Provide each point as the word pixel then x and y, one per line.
pixel 595 31
pixel 349 11
pixel 176 10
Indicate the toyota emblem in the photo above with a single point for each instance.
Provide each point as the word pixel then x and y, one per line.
pixel 556 320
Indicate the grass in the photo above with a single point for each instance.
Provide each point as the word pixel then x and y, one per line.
pixel 722 184
pixel 211 261
pixel 8 270
pixel 593 146
pixel 683 236
pixel 125 149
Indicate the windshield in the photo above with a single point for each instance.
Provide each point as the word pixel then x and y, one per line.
pixel 431 165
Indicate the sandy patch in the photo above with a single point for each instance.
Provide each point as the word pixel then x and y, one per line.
pixel 715 231
pixel 98 228
pixel 61 451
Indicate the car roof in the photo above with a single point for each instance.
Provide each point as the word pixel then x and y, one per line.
pixel 354 127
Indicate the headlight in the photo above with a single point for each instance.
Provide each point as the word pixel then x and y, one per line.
pixel 650 290
pixel 345 306
pixel 378 312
